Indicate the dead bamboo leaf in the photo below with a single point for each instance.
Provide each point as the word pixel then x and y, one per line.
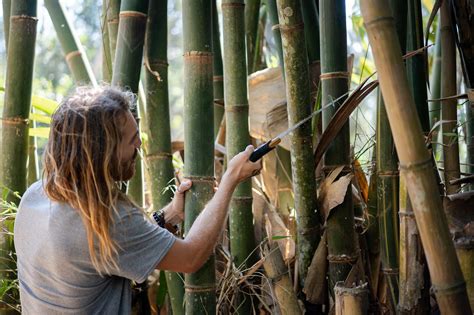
pixel 332 193
pixel 315 286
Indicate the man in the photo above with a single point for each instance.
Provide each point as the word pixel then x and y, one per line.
pixel 79 240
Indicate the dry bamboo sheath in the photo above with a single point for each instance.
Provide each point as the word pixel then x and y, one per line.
pixel 415 162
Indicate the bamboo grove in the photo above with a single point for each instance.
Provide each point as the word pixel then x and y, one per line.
pixel 330 226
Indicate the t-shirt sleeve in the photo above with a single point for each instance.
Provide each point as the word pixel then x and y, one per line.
pixel 141 244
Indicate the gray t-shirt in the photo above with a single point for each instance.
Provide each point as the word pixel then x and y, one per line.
pixel 55 272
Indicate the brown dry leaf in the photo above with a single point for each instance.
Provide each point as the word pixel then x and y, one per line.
pixel 332 193
pixel 315 286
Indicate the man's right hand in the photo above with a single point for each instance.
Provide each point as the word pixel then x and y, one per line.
pixel 240 167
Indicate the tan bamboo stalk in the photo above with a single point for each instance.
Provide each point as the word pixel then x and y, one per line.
pixel 277 271
pixel 449 107
pixel 415 161
pixel 351 300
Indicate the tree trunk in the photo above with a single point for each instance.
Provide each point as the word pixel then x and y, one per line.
pixel 74 53
pixel 415 161
pixel 200 296
pixel 342 239
pixel 16 110
pixel 449 107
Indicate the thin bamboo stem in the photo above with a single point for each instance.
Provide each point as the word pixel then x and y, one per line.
pixel 113 17
pixel 273 15
pixel 415 161
pixel 218 77
pixel 252 11
pixel 449 107
pixel 435 81
pixel 468 109
pixel 105 49
pixel 200 296
pixel 72 48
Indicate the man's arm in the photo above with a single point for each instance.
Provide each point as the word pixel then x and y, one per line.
pixel 190 254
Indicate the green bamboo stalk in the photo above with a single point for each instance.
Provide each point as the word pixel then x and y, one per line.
pixel 218 77
pixel 242 240
pixel 16 110
pixel 273 16
pixel 299 107
pixel 342 240
pixel 449 107
pixel 200 295
pixel 7 4
pixel 258 58
pixel 127 66
pixel 252 11
pixel 158 150
pixel 72 48
pixel 415 161
pixel 33 167
pixel 311 29
pixel 388 175
pixel 105 49
pixel 373 232
pixel 468 109
pixel 435 81
pixel 414 277
pixel 113 11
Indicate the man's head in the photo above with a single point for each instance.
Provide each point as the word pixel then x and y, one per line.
pixel 93 143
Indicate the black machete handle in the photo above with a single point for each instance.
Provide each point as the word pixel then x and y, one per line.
pixel 261 151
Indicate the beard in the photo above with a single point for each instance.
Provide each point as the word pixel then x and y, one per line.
pixel 125 170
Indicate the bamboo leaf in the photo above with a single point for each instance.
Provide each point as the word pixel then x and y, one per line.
pixel 43 104
pixel 41 132
pixel 315 286
pixel 40 118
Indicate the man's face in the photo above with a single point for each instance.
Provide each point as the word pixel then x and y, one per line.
pixel 128 149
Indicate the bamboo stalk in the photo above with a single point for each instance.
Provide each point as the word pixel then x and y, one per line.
pixel 200 297
pixel 414 296
pixel 33 167
pixel 158 151
pixel 469 109
pixel 127 66
pixel 252 11
pixel 388 174
pixel 435 81
pixel 16 110
pixel 242 241
pixel 449 107
pixel 415 162
pixel 6 4
pixel 351 300
pixel 342 240
pixel 373 232
pixel 414 276
pixel 113 11
pixel 277 271
pixel 73 51
pixel 105 49
pixel 218 77
pixel 273 15
pixel 301 148
pixel 258 54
